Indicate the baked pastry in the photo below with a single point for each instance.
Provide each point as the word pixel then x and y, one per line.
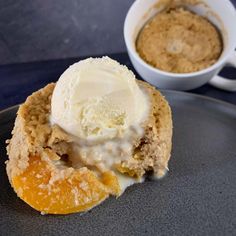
pixel 61 172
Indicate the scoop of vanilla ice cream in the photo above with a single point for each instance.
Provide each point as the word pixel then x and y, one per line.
pixel 97 99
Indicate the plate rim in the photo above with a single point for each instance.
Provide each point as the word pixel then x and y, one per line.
pixel 9 108
pixel 163 91
pixel 222 102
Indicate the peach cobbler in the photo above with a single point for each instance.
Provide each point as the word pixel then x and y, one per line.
pixel 92 134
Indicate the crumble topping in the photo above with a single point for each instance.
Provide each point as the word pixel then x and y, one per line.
pixel 179 41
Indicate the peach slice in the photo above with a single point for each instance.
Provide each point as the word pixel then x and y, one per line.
pixel 79 191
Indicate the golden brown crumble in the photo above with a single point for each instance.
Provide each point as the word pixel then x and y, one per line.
pixel 177 40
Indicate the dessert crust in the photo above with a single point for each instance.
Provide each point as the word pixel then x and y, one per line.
pixel 153 151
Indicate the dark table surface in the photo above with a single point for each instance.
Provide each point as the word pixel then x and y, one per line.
pixel 54 29
pixel 17 81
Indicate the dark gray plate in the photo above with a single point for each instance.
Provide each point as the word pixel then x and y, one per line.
pixel 197 197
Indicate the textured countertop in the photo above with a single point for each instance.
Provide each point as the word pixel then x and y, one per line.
pixel 41 30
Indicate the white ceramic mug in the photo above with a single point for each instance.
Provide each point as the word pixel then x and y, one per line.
pixel 224 18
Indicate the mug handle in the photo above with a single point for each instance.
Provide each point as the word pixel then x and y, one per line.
pixel 224 83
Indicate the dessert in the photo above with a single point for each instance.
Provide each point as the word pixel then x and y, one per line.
pixel 179 41
pixel 90 135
